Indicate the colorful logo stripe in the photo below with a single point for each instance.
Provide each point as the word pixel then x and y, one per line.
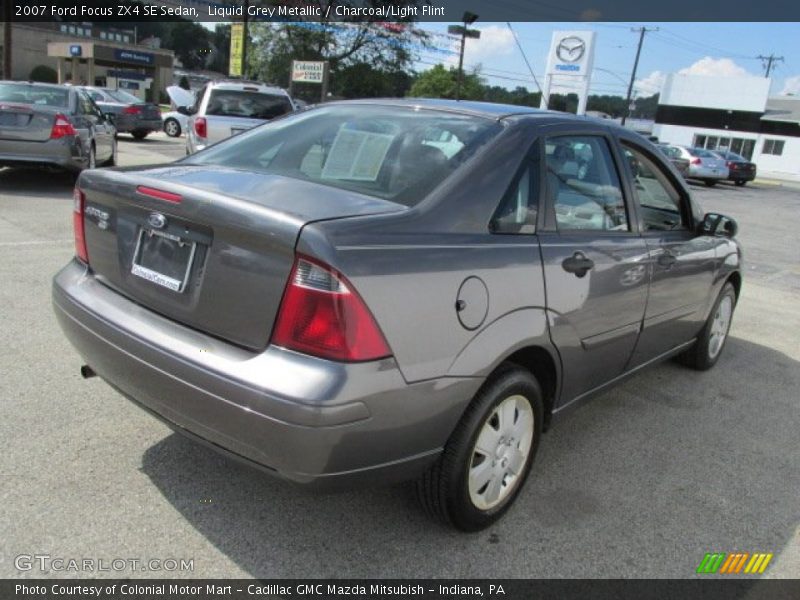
pixel 734 563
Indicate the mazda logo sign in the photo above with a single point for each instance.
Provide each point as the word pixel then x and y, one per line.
pixel 157 220
pixel 571 49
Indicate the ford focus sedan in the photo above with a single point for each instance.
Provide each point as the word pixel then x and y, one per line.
pixel 377 291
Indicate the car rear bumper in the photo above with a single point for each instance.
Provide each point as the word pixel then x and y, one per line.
pixel 308 420
pixel 706 173
pixel 742 175
pixel 66 153
pixel 126 124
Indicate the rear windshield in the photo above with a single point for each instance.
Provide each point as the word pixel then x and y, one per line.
pixel 122 96
pixel 395 153
pixel 699 152
pixel 253 105
pixel 33 94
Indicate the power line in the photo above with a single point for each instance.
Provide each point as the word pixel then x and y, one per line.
pixel 642 31
pixel 769 62
pixel 525 58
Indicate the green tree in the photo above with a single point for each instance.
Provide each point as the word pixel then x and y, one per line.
pixel 191 43
pixel 438 82
pixel 43 74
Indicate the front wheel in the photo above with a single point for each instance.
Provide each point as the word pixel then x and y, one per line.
pixel 139 134
pixel 172 128
pixel 487 459
pixel 707 349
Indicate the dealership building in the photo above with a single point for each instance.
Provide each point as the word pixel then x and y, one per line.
pixel 90 54
pixel 735 114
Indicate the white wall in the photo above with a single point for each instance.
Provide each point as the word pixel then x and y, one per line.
pixel 730 93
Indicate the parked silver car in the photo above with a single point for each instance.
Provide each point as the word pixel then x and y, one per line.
pixel 374 291
pixel 703 164
pixel 53 125
pixel 226 108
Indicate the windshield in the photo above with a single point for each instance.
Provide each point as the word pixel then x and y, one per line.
pixel 242 103
pixel 123 96
pixel 34 94
pixel 395 153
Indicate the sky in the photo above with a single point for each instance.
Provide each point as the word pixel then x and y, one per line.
pixel 719 49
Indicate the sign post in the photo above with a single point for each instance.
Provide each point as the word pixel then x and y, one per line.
pixel 571 58
pixel 310 71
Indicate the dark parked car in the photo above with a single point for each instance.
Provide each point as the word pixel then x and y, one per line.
pixel 130 114
pixel 374 291
pixel 53 125
pixel 740 170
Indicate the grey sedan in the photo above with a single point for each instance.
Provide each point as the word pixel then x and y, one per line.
pixel 129 113
pixel 376 291
pixel 53 125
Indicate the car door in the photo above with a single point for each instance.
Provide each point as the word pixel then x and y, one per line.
pixel 594 259
pixel 93 124
pixel 681 262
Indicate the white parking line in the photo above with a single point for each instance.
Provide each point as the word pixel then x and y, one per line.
pixel 36 242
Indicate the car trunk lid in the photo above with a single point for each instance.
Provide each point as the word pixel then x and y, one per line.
pixel 209 247
pixel 23 122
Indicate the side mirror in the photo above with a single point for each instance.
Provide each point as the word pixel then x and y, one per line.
pixel 185 110
pixel 717 224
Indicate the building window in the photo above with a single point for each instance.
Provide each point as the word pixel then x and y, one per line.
pixel 102 35
pixel 741 146
pixel 73 30
pixel 773 147
pixel 64 29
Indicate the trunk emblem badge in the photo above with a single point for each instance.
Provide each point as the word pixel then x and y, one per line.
pixel 157 220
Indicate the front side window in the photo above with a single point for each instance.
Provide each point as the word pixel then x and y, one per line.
pixel 659 201
pixel 583 184
pixel 391 152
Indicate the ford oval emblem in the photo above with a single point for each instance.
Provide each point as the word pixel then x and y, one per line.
pixel 157 220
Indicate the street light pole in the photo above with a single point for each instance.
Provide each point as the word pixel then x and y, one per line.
pixel 468 19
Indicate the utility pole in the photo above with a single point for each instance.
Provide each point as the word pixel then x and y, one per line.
pixel 7 40
pixel 245 28
pixel 642 31
pixel 769 62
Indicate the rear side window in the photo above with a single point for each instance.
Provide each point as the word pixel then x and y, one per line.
pixel 253 105
pixel 34 94
pixel 391 152
pixel 518 210
pixel 583 184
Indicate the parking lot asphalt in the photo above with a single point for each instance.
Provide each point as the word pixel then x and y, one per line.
pixel 641 482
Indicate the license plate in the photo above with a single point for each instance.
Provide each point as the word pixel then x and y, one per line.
pixel 163 259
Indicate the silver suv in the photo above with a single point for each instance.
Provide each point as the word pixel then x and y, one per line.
pixel 225 108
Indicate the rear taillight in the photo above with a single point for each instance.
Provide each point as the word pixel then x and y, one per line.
pixel 79 204
pixel 322 315
pixel 62 127
pixel 200 127
pixel 696 161
pixel 132 110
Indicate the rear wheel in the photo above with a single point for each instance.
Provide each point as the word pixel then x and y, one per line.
pixel 172 128
pixel 487 459
pixel 708 347
pixel 710 182
pixel 139 134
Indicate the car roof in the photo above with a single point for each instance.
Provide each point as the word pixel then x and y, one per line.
pixel 238 84
pixel 56 86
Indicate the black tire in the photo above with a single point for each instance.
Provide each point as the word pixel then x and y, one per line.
pixel 172 127
pixel 710 182
pixel 443 490
pixel 700 356
pixel 740 182
pixel 139 134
